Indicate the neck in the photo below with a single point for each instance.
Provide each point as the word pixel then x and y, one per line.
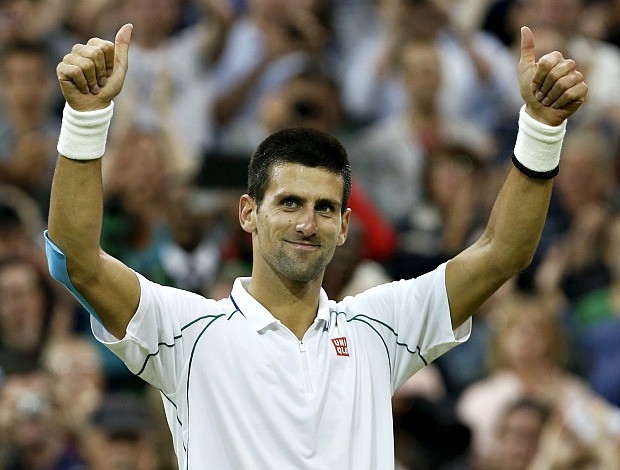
pixel 295 304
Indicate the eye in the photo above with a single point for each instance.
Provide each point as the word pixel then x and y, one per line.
pixel 325 207
pixel 290 203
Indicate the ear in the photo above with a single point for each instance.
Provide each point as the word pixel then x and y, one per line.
pixel 247 213
pixel 344 227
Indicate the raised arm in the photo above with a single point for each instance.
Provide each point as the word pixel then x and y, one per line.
pixel 553 90
pixel 90 77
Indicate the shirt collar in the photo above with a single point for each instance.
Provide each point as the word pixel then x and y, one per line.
pixel 258 316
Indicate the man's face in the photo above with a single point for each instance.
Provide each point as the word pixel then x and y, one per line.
pixel 298 224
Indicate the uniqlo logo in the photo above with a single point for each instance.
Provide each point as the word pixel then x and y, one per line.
pixel 341 346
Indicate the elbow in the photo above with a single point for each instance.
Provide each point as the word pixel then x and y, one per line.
pixel 506 260
pixel 69 269
pixel 513 263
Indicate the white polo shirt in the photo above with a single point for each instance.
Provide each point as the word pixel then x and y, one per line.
pixel 242 392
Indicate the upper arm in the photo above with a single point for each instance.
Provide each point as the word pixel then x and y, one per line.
pixel 114 294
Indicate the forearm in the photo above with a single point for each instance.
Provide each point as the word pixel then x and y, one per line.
pixel 505 248
pixel 75 216
pixel 516 222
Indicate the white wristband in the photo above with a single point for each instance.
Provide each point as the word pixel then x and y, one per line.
pixel 538 146
pixel 83 134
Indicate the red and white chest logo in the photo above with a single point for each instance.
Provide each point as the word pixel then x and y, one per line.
pixel 340 344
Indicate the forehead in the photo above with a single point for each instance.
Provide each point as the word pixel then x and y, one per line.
pixel 304 181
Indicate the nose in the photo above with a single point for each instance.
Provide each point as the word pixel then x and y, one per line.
pixel 306 223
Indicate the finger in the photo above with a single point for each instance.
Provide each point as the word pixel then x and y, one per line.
pixel 108 52
pixel 575 93
pixel 96 56
pixel 561 84
pixel 544 65
pixel 88 69
pixel 528 58
pixel 121 47
pixel 555 75
pixel 72 73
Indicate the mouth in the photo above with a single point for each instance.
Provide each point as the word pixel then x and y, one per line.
pixel 303 245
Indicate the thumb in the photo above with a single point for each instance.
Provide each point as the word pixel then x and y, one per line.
pixel 121 47
pixel 528 58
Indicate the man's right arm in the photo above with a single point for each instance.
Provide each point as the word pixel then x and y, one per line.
pixel 90 77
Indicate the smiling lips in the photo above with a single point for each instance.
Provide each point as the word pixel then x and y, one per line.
pixel 303 244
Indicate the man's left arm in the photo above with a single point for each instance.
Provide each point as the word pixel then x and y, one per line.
pixel 553 90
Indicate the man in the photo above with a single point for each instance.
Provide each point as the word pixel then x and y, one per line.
pixel 277 375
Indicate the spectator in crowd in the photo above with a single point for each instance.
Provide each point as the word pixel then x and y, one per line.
pixel 199 223
pixel 27 313
pixel 78 383
pixel 30 437
pixel 28 125
pixel 471 90
pixel 578 212
pixel 427 434
pixel 527 357
pixel 519 433
pixel 20 224
pixel 120 435
pixel 138 182
pixel 592 315
pixel 560 24
pixel 36 21
pixel 179 101
pixel 275 40
pixel 449 215
pixel 389 157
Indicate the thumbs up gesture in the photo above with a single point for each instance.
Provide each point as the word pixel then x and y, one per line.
pixel 92 75
pixel 552 88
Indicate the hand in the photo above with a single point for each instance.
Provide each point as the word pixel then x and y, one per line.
pixel 92 75
pixel 553 89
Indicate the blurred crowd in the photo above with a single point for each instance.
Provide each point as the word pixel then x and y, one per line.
pixel 425 97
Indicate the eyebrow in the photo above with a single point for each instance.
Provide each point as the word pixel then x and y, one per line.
pixel 296 197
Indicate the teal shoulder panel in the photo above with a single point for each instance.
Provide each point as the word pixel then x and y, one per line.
pixel 57 265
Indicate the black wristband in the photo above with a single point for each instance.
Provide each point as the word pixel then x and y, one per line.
pixel 539 175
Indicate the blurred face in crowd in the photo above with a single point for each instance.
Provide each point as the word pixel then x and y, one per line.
pixel 27 419
pixel 16 19
pixel 448 176
pixel 528 335
pixel 21 307
pixel 585 174
pixel 560 14
pixel 519 436
pixel 421 69
pixel 109 452
pixel 154 20
pixel 140 169
pixel 25 81
pixel 302 103
pixel 77 376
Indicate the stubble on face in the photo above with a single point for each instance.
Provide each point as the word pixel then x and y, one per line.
pixel 292 255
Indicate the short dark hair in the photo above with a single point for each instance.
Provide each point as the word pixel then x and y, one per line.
pixel 308 147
